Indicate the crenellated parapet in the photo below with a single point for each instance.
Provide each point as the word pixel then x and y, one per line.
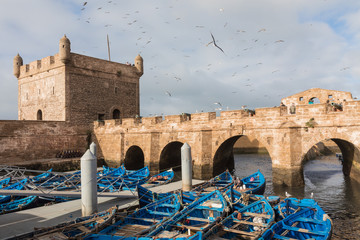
pixel 39 66
pixel 265 116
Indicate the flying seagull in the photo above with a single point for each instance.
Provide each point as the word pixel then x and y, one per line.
pixel 218 103
pixel 168 93
pixel 214 42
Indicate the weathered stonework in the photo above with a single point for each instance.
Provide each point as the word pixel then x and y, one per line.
pixel 323 95
pixel 23 141
pixel 286 137
pixel 77 88
pixel 72 91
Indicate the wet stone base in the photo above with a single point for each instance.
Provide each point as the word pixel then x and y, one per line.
pixel 345 226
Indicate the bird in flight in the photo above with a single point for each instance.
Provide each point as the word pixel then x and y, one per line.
pixel 84 3
pixel 168 93
pixel 218 103
pixel 214 42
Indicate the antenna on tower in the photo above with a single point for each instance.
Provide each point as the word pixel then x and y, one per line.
pixel 108 44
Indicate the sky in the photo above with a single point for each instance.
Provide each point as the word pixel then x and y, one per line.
pixel 268 49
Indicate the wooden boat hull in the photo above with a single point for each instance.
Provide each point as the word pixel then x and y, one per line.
pixel 18 204
pixel 247 223
pixel 75 229
pixel 144 220
pixel 308 223
pixel 199 216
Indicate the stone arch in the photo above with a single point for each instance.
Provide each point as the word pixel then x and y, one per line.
pixel 170 156
pixel 39 115
pixel 134 158
pixel 350 153
pixel 224 156
pixel 116 114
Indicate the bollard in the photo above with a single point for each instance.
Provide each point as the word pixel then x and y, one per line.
pixel 93 148
pixel 88 184
pixel 186 167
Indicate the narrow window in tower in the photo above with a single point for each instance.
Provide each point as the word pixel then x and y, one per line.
pixel 39 91
pixel 116 90
pixel 53 90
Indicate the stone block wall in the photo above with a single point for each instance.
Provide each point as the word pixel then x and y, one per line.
pixel 22 141
pixel 98 86
pixel 41 86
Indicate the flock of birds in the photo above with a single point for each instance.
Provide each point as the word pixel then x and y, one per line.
pixel 144 40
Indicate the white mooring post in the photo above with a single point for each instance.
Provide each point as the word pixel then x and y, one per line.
pixel 88 184
pixel 93 148
pixel 186 167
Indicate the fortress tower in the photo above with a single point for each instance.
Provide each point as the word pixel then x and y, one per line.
pixel 77 88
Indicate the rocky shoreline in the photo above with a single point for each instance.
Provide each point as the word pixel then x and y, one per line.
pixel 346 226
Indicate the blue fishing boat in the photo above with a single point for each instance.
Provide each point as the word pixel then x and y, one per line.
pixel 108 171
pixel 18 204
pixel 290 206
pixel 144 220
pixel 247 223
pixel 42 177
pixel 220 181
pixel 4 182
pixel 197 236
pixel 75 229
pixel 146 196
pixel 253 184
pixel 196 217
pixel 308 223
pixel 138 174
pixel 20 185
pixel 161 178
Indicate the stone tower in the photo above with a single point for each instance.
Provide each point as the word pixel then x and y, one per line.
pixel 64 49
pixel 139 64
pixel 18 62
pixel 76 88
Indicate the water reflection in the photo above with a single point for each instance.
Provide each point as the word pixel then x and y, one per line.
pixel 323 177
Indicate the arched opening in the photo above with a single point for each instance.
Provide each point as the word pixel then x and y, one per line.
pixel 134 158
pixel 116 114
pixel 330 170
pixel 243 155
pixel 39 115
pixel 224 156
pixel 170 157
pixel 314 100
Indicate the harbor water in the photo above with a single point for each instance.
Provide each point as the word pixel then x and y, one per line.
pixel 337 194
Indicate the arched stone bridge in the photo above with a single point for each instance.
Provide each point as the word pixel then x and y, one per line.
pixel 156 141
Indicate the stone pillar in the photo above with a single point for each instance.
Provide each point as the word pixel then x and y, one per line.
pixel 88 184
pixel 290 176
pixel 186 167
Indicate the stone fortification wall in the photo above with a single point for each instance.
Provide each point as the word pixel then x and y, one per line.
pixel 22 141
pixel 98 86
pixel 287 137
pixel 41 86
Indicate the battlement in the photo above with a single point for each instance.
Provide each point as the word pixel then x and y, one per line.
pixel 39 66
pixel 101 65
pixel 305 111
pixel 78 61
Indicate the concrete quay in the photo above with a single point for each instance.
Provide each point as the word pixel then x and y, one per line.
pixel 18 223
